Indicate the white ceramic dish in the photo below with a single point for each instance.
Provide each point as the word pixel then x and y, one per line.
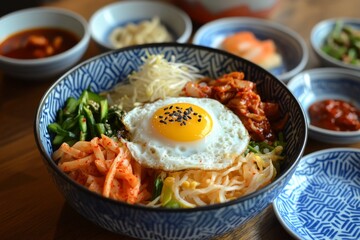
pixel 43 68
pixel 327 83
pixel 321 200
pixel 290 45
pixel 104 20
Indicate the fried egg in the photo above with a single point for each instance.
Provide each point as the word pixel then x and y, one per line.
pixel 185 133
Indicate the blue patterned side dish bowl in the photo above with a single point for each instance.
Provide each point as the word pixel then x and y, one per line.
pixel 102 73
pixel 321 200
pixel 327 83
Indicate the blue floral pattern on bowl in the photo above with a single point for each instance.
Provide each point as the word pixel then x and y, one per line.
pixel 102 73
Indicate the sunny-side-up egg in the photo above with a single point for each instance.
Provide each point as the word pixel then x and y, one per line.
pixel 185 133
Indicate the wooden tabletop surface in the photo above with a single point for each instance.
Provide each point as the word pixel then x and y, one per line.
pixel 30 205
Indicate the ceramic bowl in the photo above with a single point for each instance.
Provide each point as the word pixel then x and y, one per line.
pixel 327 83
pixel 319 34
pixel 102 73
pixel 320 193
pixel 119 14
pixel 290 45
pixel 211 10
pixel 41 17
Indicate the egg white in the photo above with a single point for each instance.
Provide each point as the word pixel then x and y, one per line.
pixel 217 150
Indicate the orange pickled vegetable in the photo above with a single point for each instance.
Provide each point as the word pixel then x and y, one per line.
pixel 246 45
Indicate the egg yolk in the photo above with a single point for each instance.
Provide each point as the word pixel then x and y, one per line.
pixel 183 122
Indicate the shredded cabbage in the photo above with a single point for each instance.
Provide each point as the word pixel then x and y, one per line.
pixel 191 188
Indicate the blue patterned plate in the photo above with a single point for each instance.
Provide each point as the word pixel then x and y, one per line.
pixel 322 199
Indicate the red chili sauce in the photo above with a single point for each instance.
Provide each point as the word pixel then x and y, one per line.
pixel 37 43
pixel 337 115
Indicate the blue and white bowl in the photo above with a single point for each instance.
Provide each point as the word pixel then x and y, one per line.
pixel 321 200
pixel 321 31
pixel 327 83
pixel 102 73
pixel 290 45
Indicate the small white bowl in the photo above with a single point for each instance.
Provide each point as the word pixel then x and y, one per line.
pixel 321 31
pixel 107 18
pixel 290 45
pixel 327 83
pixel 40 17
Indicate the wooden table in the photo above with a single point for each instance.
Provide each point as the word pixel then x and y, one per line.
pixel 30 205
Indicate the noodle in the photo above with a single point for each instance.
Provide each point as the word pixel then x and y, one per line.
pixel 243 177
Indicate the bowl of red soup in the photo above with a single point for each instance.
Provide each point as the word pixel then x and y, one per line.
pixel 330 99
pixel 39 43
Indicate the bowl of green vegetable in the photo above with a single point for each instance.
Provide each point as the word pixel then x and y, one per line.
pixel 336 42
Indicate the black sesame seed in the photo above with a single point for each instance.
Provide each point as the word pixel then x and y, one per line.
pixel 189 117
pixel 184 122
pixel 162 121
pixel 161 116
pixel 171 107
pixel 171 120
pixel 167 113
pixel 185 117
pixel 195 113
pixel 166 108
pixel 199 120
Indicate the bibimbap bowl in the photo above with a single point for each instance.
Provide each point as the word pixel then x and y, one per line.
pixel 101 73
